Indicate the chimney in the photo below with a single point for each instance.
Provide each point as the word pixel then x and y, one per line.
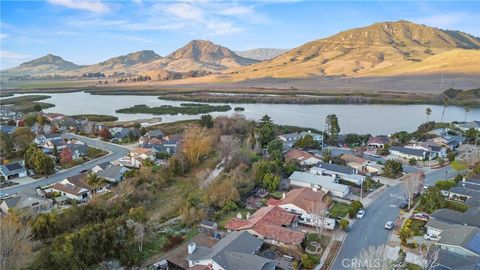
pixel 191 247
pixel 239 215
pixel 248 215
pixel 283 195
pixel 330 161
pixel 464 179
pixel 314 189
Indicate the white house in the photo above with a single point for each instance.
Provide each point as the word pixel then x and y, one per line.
pixel 322 182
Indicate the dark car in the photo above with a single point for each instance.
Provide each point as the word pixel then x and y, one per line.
pixel 84 171
pixel 403 205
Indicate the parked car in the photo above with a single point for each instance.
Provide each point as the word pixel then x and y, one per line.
pixel 3 195
pixel 421 216
pixel 431 237
pixel 389 225
pixel 83 171
pixel 360 213
pixel 403 205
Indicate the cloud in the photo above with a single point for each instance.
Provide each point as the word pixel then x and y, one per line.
pixel 96 6
pixel 185 11
pixel 3 36
pixel 13 55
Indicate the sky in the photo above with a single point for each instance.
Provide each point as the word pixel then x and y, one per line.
pixel 91 31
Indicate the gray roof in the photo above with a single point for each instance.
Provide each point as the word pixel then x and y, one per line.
pixel 290 136
pixel 320 180
pixel 81 148
pixel 25 199
pixel 451 261
pixel 473 202
pixel 462 236
pixel 104 165
pixel 438 224
pixel 114 172
pixel 408 151
pixel 469 185
pixel 465 191
pixel 336 168
pixel 473 181
pixel 12 168
pixel 155 133
pixel 235 251
pixel 471 217
pixel 208 223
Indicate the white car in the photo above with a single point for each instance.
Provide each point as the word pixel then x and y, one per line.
pixel 389 225
pixel 360 213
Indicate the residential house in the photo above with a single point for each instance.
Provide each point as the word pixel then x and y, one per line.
pixel 471 217
pixel 308 204
pixel 77 188
pixel 362 165
pixel 27 200
pixel 290 139
pixel 119 134
pixel 271 223
pixel 156 133
pixel 113 173
pixel 449 141
pixel 6 114
pixel 237 250
pixel 451 261
pixel 78 150
pixel 468 125
pixel 433 150
pixel 377 142
pixel 462 240
pixel 139 155
pixel 12 170
pixel 42 139
pixel 339 172
pixel 87 127
pixel 101 166
pixel 319 182
pixel 408 153
pixel 303 158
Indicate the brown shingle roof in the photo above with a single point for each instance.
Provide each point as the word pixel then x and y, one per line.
pixel 298 155
pixel 304 198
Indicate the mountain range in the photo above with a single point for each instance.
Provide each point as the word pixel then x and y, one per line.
pixel 381 49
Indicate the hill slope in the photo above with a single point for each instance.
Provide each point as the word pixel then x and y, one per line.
pixel 48 64
pixel 261 53
pixel 376 49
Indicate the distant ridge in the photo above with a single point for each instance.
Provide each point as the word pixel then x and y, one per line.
pixel 261 53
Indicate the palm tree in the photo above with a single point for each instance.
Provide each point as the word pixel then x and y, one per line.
pixel 95 181
pixel 445 105
pixel 467 109
pixel 428 111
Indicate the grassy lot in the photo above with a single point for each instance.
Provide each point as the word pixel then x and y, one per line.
pixel 339 210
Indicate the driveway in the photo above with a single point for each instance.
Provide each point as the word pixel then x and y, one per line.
pixel 369 231
pixel 115 152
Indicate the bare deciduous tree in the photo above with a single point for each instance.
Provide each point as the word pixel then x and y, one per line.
pixel 372 258
pixel 430 257
pixel 413 184
pixel 15 244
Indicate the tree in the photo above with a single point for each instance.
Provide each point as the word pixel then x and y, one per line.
pixel 344 224
pixel 66 156
pixel 432 200
pixel 467 109
pixel 458 165
pixel 412 161
pixel 23 137
pixel 372 258
pixel 332 128
pixel 55 150
pixel 291 166
pixel 308 142
pixel 197 143
pixel 271 182
pixel 319 212
pixel 38 161
pixel 404 234
pixel 6 144
pixel 15 243
pixel 95 181
pixel 265 120
pixel 412 184
pixel 392 168
pixel 105 133
pixel 471 135
pixel 266 132
pixel 275 148
pixel 445 105
pixel 428 111
pixel 206 121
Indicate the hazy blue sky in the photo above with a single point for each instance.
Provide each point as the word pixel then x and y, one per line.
pixel 87 32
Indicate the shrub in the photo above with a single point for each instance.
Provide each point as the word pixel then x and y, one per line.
pixel 309 261
pixel 344 224
pixel 412 161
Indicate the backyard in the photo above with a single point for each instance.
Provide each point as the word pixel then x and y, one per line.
pixel 339 210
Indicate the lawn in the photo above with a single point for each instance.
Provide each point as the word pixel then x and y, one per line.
pixel 339 210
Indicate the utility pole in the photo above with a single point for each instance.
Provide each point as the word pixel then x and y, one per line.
pixel 361 190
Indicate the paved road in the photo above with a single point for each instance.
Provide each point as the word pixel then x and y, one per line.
pixel 369 231
pixel 116 152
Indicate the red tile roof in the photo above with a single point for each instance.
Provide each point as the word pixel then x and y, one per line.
pixel 298 155
pixel 271 222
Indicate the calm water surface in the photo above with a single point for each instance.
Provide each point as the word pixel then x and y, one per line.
pixel 373 119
